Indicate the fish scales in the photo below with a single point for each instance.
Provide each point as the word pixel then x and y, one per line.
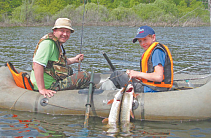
pixel 115 108
pixel 126 107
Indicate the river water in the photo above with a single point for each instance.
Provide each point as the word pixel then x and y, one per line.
pixel 190 48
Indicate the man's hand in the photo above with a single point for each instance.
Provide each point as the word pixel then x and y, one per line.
pixel 49 93
pixel 131 73
pixel 75 59
pixel 79 58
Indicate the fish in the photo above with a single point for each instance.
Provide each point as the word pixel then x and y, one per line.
pixel 126 106
pixel 113 130
pixel 115 108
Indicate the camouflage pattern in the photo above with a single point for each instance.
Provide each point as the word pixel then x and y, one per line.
pixel 59 70
pixel 78 80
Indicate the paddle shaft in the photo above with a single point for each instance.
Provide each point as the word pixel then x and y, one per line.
pixel 88 105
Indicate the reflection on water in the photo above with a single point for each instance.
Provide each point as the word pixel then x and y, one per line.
pixel 189 46
pixel 25 124
pixel 14 125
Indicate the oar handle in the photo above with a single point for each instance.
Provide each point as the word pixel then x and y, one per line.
pixel 109 62
pixel 88 104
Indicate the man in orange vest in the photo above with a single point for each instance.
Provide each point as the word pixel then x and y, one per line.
pixel 156 65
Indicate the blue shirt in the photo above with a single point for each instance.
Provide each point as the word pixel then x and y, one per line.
pixel 158 57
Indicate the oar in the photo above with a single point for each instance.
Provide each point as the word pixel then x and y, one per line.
pixel 88 104
pixel 79 64
pixel 109 62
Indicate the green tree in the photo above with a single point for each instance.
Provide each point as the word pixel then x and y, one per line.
pixel 121 14
pixel 177 2
pixel 103 10
pixel 147 11
pixel 42 2
pixel 147 1
pixel 6 8
pixel 134 2
pixel 55 6
pixel 168 6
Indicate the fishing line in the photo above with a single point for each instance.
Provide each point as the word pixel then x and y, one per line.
pixel 194 78
pixel 113 77
pixel 190 67
pixel 79 65
pixel 176 72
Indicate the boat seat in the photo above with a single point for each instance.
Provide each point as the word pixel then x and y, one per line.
pixel 21 79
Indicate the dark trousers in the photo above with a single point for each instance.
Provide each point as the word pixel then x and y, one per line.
pixel 120 79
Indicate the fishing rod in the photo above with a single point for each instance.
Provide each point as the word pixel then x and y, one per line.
pixel 79 65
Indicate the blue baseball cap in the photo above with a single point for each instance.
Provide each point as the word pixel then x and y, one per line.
pixel 143 31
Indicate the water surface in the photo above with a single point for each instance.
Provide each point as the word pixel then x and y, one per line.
pixel 190 46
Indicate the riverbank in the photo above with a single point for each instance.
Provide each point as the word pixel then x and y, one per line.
pixel 130 24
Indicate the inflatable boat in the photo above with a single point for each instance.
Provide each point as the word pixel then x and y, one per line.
pixel 181 103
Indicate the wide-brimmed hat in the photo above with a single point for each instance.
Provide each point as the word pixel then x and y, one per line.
pixel 143 31
pixel 63 23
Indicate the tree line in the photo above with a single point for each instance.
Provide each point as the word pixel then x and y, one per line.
pixel 106 12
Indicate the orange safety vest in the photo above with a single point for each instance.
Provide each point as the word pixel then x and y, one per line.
pixel 21 79
pixel 146 66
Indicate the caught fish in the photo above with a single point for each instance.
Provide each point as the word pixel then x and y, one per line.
pixel 113 130
pixel 126 107
pixel 115 108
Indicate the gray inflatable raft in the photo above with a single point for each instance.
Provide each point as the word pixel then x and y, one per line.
pixel 177 104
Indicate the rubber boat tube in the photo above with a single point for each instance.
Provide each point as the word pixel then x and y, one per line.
pixel 189 104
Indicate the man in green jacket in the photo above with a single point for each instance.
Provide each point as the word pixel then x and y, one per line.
pixel 50 71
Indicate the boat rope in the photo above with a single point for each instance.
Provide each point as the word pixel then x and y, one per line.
pixel 73 108
pixel 17 99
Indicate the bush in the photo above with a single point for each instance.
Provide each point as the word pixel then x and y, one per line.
pixel 122 14
pixel 17 16
pixel 168 6
pixel 96 12
pixel 67 12
pixel 195 10
pixel 148 11
pixel 40 14
pixel 29 13
pixel 160 11
pixel 93 13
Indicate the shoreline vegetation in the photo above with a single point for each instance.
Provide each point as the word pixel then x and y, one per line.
pixel 132 13
pixel 186 24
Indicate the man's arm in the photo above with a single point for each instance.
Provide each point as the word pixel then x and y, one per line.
pixel 156 76
pixel 39 76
